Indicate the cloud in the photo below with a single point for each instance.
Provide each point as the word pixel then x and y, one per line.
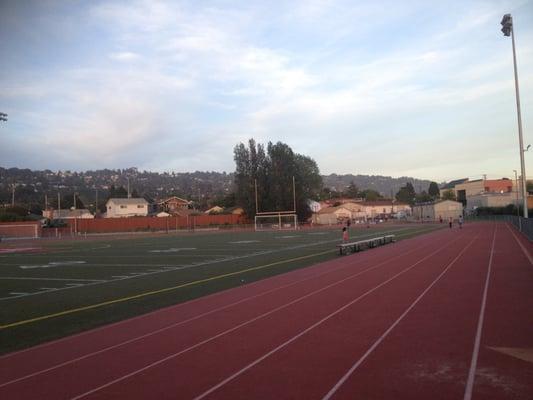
pixel 124 56
pixel 360 88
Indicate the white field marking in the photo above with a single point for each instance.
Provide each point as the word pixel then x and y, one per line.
pixel 216 261
pixel 395 323
pixel 20 278
pixel 47 288
pixel 287 237
pixel 260 317
pixel 319 233
pixel 521 245
pixel 74 284
pixel 119 276
pixel 53 264
pixel 172 250
pixel 343 266
pixel 18 250
pixel 320 322
pixel 475 353
pixel 244 241
pixel 165 309
pixel 17 293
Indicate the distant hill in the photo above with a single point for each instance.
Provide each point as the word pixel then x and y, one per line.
pixel 201 187
pixel 382 184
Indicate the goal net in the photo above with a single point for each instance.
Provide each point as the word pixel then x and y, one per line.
pixel 275 221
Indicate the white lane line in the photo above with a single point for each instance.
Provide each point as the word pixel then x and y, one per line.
pixel 342 266
pixel 521 245
pixel 262 316
pixel 389 330
pixel 161 310
pixel 473 364
pixel 326 318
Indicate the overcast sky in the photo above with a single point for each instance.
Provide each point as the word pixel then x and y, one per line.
pixel 417 88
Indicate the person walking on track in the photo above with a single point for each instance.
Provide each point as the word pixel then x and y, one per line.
pixel 450 222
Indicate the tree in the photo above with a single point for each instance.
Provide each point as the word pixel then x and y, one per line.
pixel 423 197
pixel 273 171
pixel 406 194
pixel 449 195
pixel 352 191
pixel 370 195
pixel 433 190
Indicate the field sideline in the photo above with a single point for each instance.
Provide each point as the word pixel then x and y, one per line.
pixel 59 288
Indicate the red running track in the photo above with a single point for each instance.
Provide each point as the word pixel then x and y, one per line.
pixel 442 316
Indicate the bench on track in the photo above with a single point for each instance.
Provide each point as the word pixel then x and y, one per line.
pixel 354 247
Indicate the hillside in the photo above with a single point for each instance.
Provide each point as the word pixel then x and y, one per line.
pixel 201 187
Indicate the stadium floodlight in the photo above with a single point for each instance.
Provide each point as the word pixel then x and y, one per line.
pixel 507 24
pixel 3 116
pixel 508 30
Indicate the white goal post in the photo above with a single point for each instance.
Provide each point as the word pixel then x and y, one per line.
pixel 276 221
pixel 14 230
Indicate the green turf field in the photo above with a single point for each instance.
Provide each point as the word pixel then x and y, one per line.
pixel 70 286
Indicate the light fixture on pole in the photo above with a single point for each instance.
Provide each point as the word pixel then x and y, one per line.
pixel 508 30
pixel 3 116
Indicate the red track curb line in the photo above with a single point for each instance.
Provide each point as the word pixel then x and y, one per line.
pixel 473 364
pixel 320 274
pixel 521 245
pixel 389 330
pixel 308 329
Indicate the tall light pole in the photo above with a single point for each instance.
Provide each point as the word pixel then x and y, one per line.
pixel 508 30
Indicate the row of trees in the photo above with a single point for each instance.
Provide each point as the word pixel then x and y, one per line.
pixel 272 169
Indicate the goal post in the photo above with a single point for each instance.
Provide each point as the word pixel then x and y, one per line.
pixel 19 230
pixel 276 221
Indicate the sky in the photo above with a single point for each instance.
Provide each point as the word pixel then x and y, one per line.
pixel 397 88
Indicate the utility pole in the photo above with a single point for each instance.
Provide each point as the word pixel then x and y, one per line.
pixel 58 205
pixel 13 194
pixel 96 203
pixel 129 194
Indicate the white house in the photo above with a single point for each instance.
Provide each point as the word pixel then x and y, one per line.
pixel 121 208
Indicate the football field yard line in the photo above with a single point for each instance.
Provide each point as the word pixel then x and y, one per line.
pixel 20 278
pixel 208 262
pixel 223 307
pixel 154 292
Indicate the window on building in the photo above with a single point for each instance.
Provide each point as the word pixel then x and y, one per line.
pixel 123 206
pixel 140 206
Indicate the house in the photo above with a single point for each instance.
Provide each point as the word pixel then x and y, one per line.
pixel 331 215
pixel 384 208
pixel 214 210
pixel 435 211
pixel 234 210
pixel 123 208
pixel 78 213
pixel 173 204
